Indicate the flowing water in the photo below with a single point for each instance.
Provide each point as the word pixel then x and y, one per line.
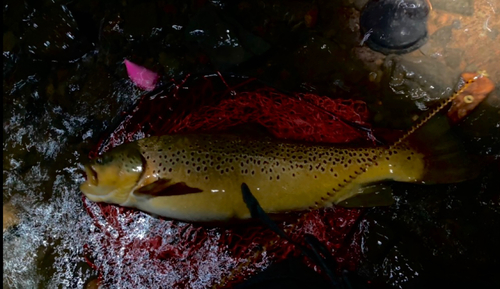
pixel 65 85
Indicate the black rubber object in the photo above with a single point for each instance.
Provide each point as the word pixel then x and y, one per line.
pixel 394 26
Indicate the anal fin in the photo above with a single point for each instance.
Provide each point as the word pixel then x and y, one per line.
pixel 370 195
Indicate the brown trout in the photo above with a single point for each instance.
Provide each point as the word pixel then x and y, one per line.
pixel 198 177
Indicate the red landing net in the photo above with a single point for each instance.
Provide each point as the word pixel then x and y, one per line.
pixel 131 249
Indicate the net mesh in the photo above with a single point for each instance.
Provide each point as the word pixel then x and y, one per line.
pixel 130 248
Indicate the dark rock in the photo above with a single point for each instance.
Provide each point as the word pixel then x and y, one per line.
pixel 52 34
pixel 442 36
pixel 414 85
pixel 141 20
pixel 226 43
pixel 453 57
pixel 390 26
pixel 481 129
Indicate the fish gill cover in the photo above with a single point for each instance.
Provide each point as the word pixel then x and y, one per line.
pixel 130 248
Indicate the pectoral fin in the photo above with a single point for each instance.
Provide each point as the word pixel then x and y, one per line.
pixel 370 195
pixel 165 188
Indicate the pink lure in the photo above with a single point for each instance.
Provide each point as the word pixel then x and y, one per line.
pixel 141 76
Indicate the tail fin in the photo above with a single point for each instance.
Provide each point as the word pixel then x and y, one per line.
pixel 446 160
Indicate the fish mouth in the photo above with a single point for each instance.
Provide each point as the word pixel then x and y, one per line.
pixel 91 175
pixel 90 188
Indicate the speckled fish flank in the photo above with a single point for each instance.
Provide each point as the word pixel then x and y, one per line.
pixel 283 176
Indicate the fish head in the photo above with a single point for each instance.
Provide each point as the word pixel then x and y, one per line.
pixel 112 176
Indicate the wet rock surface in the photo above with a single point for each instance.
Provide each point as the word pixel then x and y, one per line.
pixel 65 85
pixel 412 243
pixel 465 7
pixel 413 84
